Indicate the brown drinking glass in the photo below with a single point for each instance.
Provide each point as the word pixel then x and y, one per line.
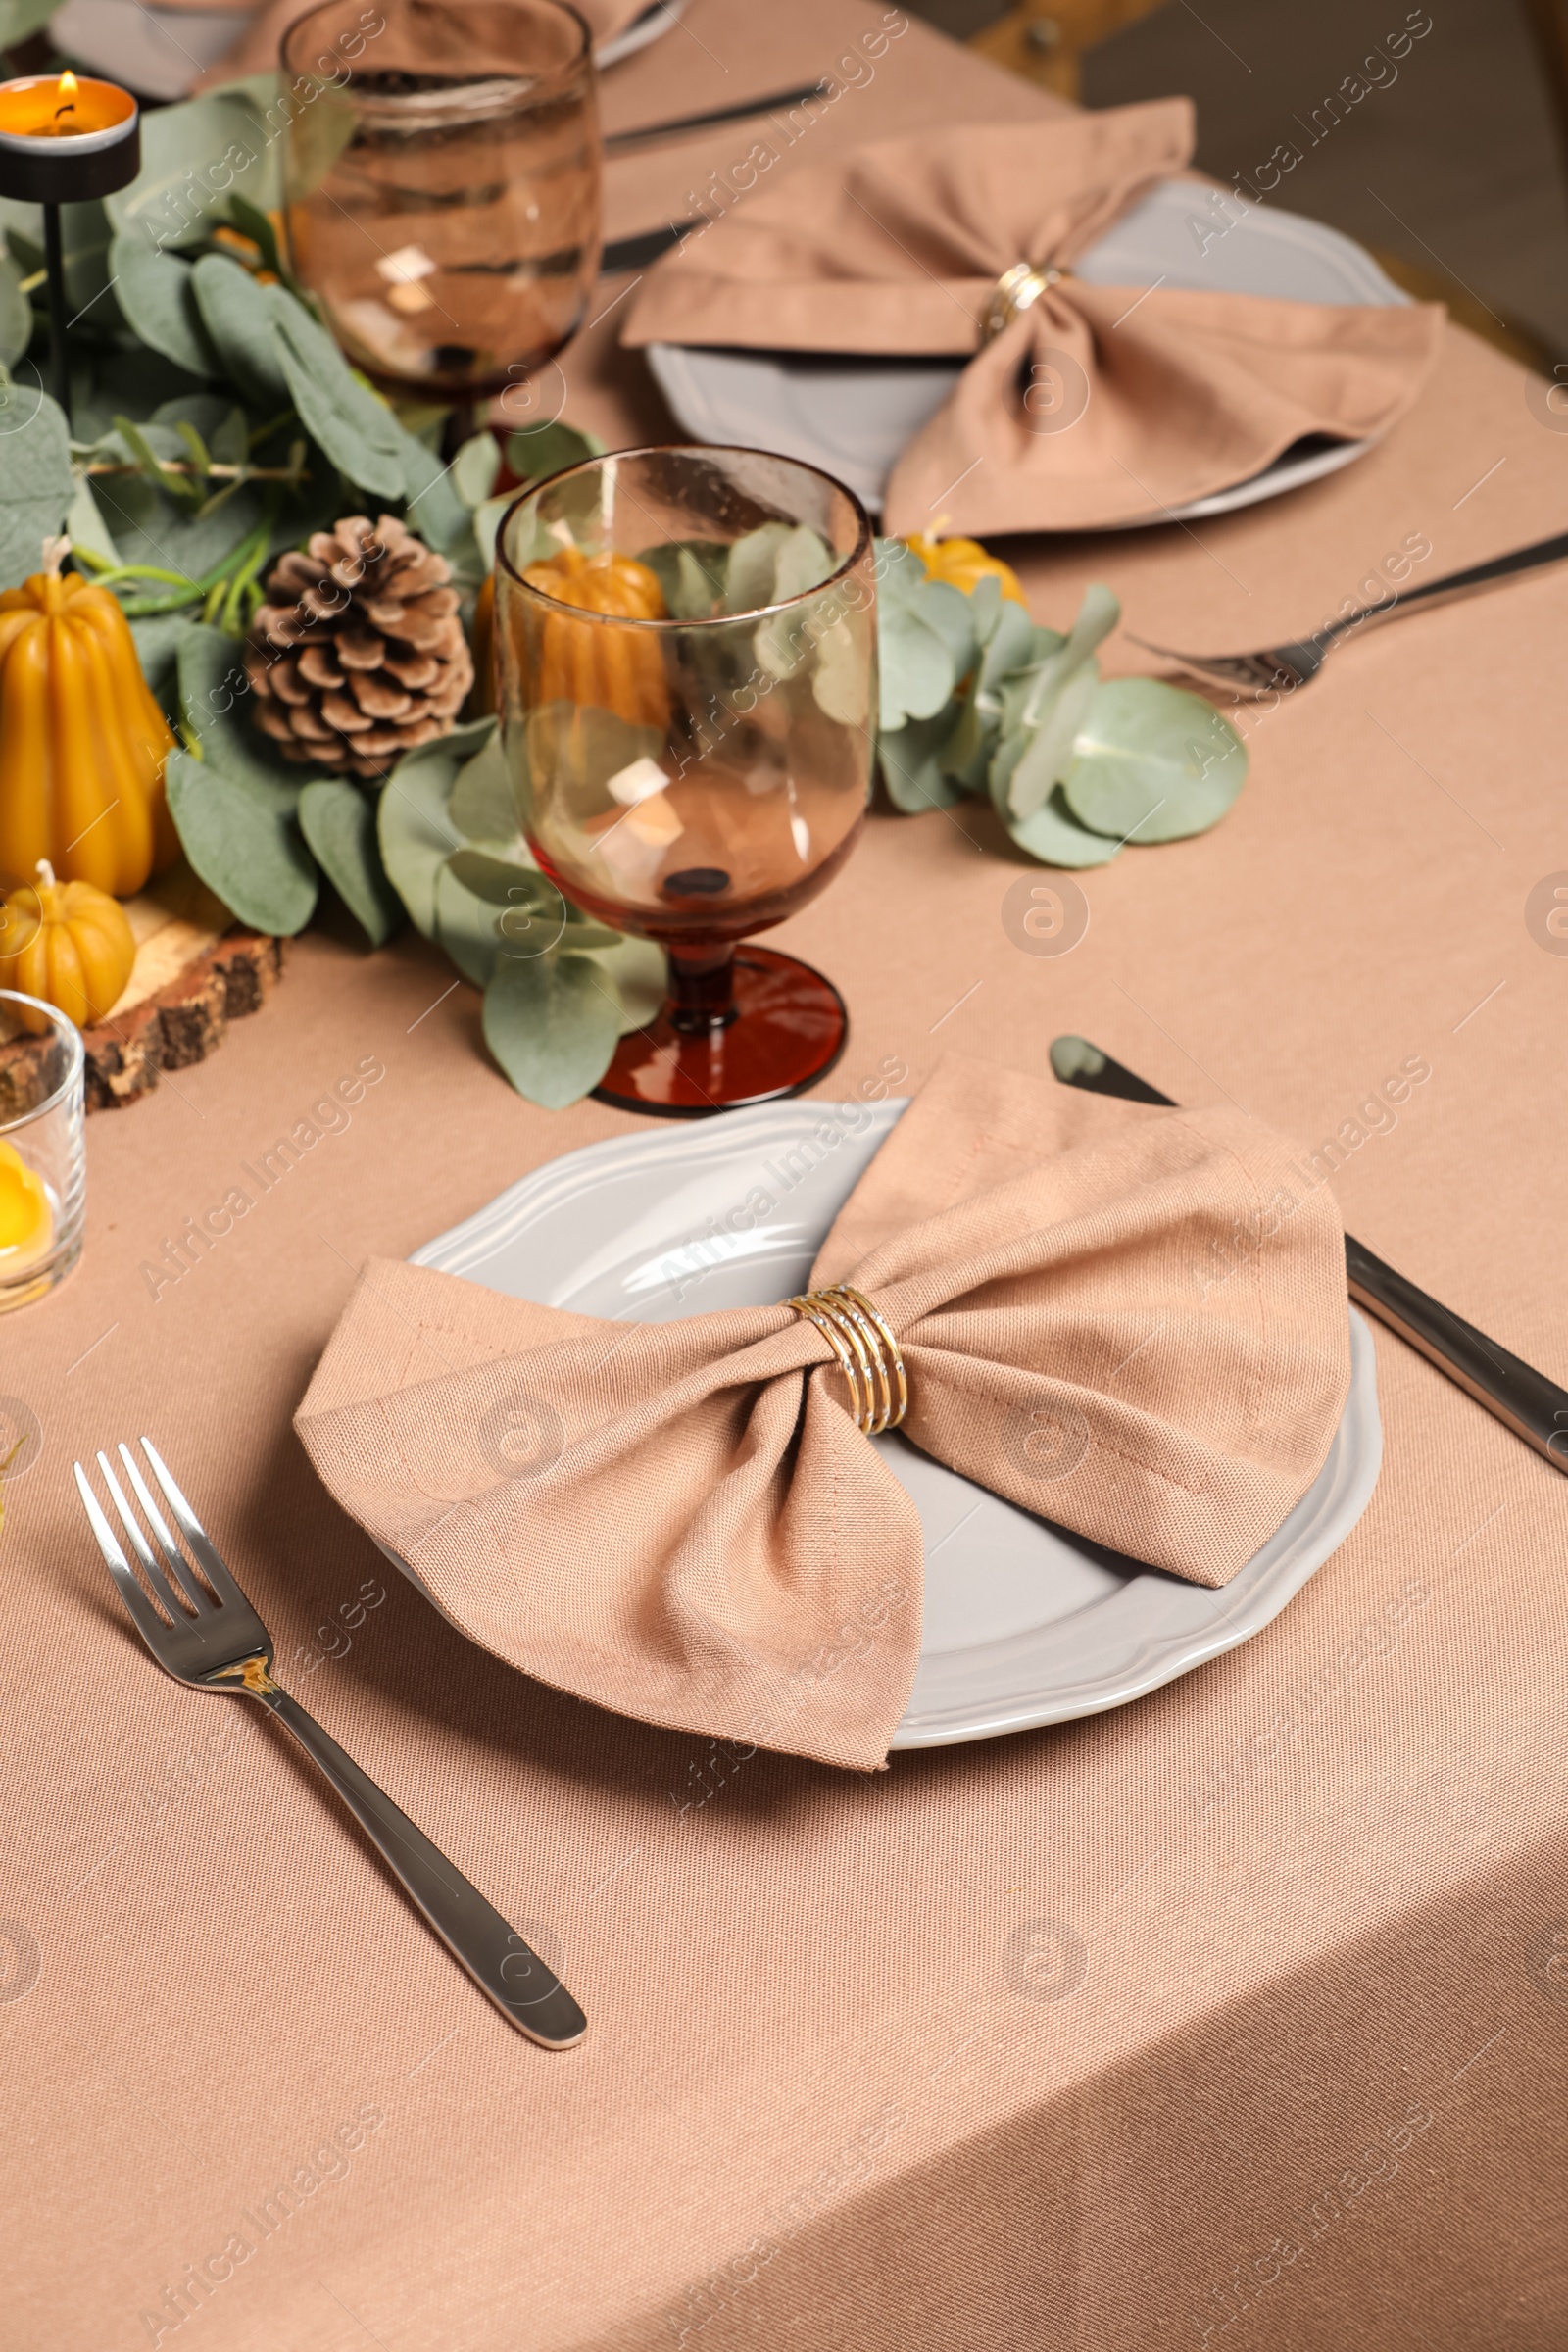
pixel 687 653
pixel 442 182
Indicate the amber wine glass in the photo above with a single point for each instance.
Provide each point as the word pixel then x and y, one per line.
pixel 442 184
pixel 687 654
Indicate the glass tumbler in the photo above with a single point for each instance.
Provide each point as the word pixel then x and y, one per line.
pixel 43 1166
pixel 687 655
pixel 442 184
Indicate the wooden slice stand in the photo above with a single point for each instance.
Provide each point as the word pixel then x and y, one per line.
pixel 196 970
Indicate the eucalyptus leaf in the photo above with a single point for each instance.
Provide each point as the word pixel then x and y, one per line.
pixel 20 17
pixel 16 312
pixel 148 529
pixel 914 664
pixel 252 222
pixel 194 156
pixel 435 510
pixel 1051 748
pixel 147 450
pixel 416 834
pixel 157 638
pixel 1009 641
pixel 841 677
pixel 203 411
pixel 124 379
pixel 541 450
pixel 36 485
pixel 638 970
pixel 583 933
pixel 338 822
pixel 804 561
pixel 508 882
pixel 243 844
pixel 217 702
pixel 230 439
pixel 1154 762
pixel 474 468
pixel 945 609
pixel 752 567
pixel 469 927
pixel 985 602
pixel 691 576
pixel 1051 835
pixel 361 436
pixel 912 764
pixel 486 524
pixel 237 316
pixel 898 571
pixel 552 1024
pixel 154 290
pixel 86 527
pixel 482 807
pixel 782 642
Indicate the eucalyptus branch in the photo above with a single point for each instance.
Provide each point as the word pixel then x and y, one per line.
pixel 217 472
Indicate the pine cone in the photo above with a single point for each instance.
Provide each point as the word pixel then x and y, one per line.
pixel 359 655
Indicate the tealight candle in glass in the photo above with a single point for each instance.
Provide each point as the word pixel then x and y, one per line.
pixel 687 662
pixel 442 178
pixel 43 1172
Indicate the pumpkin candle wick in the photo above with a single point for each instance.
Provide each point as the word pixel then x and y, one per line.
pixel 46 873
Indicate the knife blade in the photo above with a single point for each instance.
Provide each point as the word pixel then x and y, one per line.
pixel 679 127
pixel 1532 1406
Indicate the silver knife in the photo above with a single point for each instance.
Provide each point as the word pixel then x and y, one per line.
pixel 1532 1406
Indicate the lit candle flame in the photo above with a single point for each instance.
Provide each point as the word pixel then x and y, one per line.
pixel 66 94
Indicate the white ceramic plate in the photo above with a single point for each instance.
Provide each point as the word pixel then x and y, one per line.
pixel 1024 1623
pixel 158 52
pixel 852 416
pixel 654 21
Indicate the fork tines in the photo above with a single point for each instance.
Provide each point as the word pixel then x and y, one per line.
pixel 186 1605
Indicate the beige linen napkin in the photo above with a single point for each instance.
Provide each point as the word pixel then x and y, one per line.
pixel 1123 1318
pixel 1098 404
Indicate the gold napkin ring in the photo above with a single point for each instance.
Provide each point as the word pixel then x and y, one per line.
pixel 1016 291
pixel 867 1353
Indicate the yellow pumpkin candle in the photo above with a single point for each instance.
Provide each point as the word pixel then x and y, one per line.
pixel 75 947
pixel 27 1225
pixel 964 564
pixel 82 743
pixel 611 669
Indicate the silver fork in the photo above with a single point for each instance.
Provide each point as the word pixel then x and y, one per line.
pixel 214 1640
pixel 1281 668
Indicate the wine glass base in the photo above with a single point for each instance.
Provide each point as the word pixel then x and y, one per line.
pixel 789 1030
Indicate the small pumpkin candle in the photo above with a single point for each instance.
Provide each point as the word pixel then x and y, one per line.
pixel 611 669
pixel 964 564
pixel 82 743
pixel 74 949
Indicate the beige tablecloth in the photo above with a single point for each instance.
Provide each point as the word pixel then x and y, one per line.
pixel 1242 2011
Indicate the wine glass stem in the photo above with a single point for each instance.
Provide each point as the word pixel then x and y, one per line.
pixel 702 990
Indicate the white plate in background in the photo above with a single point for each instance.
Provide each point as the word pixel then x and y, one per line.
pixel 158 52
pixel 852 416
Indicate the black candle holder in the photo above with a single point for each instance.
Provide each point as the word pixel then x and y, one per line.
pixel 51 167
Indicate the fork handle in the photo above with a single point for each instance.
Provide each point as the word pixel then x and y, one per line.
pixel 495 1955
pixel 1493 573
